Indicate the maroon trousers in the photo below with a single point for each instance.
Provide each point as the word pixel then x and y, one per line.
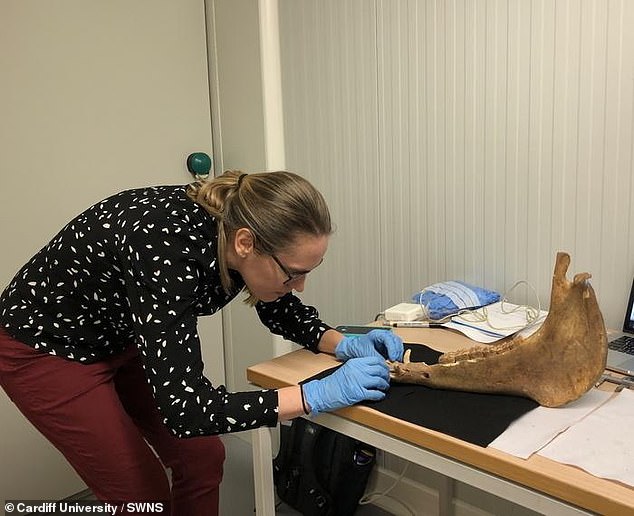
pixel 101 417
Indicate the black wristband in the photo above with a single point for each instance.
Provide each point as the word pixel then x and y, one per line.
pixel 301 390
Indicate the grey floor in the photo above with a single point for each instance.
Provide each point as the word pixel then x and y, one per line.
pixel 236 495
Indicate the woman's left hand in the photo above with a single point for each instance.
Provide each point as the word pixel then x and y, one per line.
pixel 377 343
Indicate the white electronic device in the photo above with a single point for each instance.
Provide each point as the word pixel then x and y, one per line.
pixel 404 312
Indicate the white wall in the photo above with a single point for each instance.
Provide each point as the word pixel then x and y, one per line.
pixel 463 140
pixel 95 97
pixel 239 142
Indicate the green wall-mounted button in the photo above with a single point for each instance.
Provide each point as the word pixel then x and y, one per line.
pixel 199 164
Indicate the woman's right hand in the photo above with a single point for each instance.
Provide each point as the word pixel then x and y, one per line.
pixel 358 379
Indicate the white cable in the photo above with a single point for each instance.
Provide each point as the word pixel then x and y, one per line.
pixel 371 497
pixel 482 315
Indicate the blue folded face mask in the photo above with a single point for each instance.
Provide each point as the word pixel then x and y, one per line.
pixel 447 298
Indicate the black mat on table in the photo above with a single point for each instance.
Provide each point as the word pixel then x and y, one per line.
pixel 473 417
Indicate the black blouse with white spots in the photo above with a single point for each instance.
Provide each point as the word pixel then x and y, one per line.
pixel 140 267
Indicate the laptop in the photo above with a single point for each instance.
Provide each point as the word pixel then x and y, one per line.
pixel 621 349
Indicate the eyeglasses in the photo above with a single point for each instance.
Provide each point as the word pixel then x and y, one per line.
pixel 291 276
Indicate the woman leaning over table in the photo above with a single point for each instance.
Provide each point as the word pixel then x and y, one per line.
pixel 98 340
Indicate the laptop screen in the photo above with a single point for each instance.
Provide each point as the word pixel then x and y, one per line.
pixel 628 325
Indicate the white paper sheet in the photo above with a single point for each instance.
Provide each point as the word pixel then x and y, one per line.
pixel 535 429
pixel 601 443
pixel 501 321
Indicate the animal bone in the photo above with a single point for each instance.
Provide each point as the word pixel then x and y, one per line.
pixel 555 365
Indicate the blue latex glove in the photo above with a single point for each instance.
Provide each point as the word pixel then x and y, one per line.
pixel 358 379
pixel 377 343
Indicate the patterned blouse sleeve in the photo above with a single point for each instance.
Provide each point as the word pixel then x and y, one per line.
pixel 290 318
pixel 161 287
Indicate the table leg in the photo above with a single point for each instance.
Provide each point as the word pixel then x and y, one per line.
pixel 263 471
pixel 445 496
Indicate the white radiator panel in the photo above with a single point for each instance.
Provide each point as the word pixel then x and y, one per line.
pixel 463 140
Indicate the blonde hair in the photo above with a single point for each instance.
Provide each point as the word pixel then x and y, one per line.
pixel 276 207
